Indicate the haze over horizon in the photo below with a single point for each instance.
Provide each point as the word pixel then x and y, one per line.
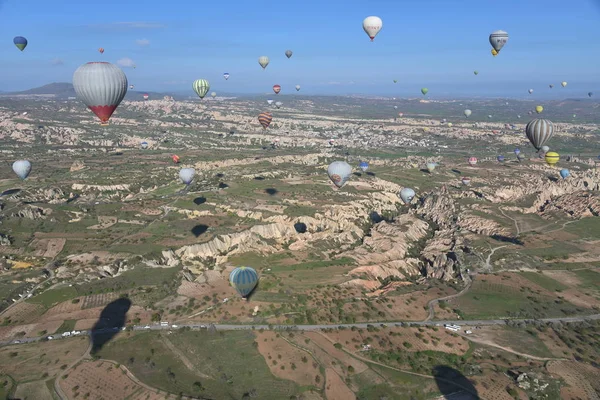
pixel 432 44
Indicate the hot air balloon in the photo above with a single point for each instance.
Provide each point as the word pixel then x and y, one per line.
pixel 539 109
pixel 372 26
pixel 476 72
pixel 530 91
pixel 213 94
pixel 187 175
pixel 539 131
pixel 449 124
pixel 400 114
pixel 498 39
pixel 465 180
pixel 278 104
pixel 551 86
pixel 331 142
pixel 176 159
pixel 288 53
pixel 276 89
pixel 424 91
pixel 20 42
pixel 590 94
pixel 407 195
pixel 517 152
pixel 226 75
pixel 564 173
pixel 265 119
pixel 364 166
pixel 144 145
pixel 101 50
pixel 490 116
pixel 270 101
pixel 467 113
pixel 545 149
pixel 520 157
pixel 263 61
pixel 297 88
pixel 563 84
pixel 430 166
pixel 146 96
pixel 395 107
pixel 518 116
pixel 201 87
pixel 101 86
pixel 472 161
pixel 494 53
pixel 22 168
pixel 131 86
pixel 500 158
pixel 551 158
pixel 339 172
pixel 244 280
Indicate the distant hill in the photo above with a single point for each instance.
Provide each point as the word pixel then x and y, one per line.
pixel 58 89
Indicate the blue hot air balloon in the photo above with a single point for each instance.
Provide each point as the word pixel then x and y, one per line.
pixel 20 42
pixel 501 158
pixel 517 151
pixel 226 75
pixel 564 173
pixel 244 280
pixel 364 166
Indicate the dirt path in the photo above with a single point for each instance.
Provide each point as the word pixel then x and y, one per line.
pixel 182 357
pixel 57 387
pixel 433 302
pixel 509 350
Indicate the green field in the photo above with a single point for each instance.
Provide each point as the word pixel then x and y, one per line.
pixel 544 281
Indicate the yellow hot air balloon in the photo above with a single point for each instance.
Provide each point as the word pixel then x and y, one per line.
pixel 539 109
pixel 494 52
pixel 551 158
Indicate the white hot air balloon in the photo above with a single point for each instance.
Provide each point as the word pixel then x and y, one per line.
pixel 563 84
pixel 498 39
pixel 270 101
pixel 213 94
pixel 297 88
pixel 468 113
pixel 263 61
pixel 278 104
pixel 530 91
pixel 22 168
pixel 101 86
pixel 187 175
pixel 407 195
pixel 339 172
pixel 372 25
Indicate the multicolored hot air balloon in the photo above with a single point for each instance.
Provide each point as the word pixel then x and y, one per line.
pixel 498 39
pixel 146 96
pixel 20 42
pixel 22 168
pixel 276 89
pixel 564 173
pixel 101 86
pixel 424 91
pixel 144 145
pixel 226 75
pixel 288 53
pixel 201 87
pixel 539 131
pixel 176 159
pixel 187 175
pixel 407 195
pixel 472 161
pixel 539 109
pixel 263 61
pixel 265 119
pixel 101 50
pixel 339 172
pixel 551 158
pixel 297 88
pixel 364 166
pixel 244 280
pixel 372 25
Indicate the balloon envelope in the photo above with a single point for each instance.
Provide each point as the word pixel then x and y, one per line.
pixel 22 168
pixel 498 39
pixel 539 109
pixel 372 25
pixel 278 104
pixel 265 119
pixel 101 86
pixel 406 195
pixel 563 84
pixel 364 166
pixel 472 161
pixel 201 87
pixel 276 89
pixel 263 61
pixel 339 172
pixel 288 53
pixel 430 166
pixel 244 280
pixel 226 75
pixel 144 145
pixel 539 131
pixel 468 113
pixel 564 173
pixel 465 180
pixel 545 149
pixel 297 88
pixel 500 158
pixel 20 42
pixel 187 175
pixel 424 90
pixel 551 158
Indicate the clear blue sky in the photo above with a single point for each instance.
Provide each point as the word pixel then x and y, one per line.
pixel 423 43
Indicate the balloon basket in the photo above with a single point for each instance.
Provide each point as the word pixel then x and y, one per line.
pixel 104 124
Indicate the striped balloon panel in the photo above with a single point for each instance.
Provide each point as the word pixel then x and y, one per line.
pixel 539 131
pixel 265 119
pixel 244 280
pixel 201 87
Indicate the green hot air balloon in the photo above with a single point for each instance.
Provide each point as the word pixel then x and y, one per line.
pixel 395 81
pixel 424 91
pixel 20 42
pixel 201 87
pixel 476 72
pixel 244 280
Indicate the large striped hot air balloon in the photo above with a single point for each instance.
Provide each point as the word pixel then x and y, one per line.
pixel 539 131
pixel 101 86
pixel 276 89
pixel 265 119
pixel 551 158
pixel 244 280
pixel 20 42
pixel 201 87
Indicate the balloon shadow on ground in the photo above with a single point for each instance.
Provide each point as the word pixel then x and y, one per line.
pixel 452 382
pixel 456 171
pixel 553 178
pixel 356 174
pixel 507 239
pixel 220 175
pixel 376 218
pixel 223 185
pixel 424 170
pixel 259 178
pixel 300 227
pixel 371 173
pixel 111 320
pixel 199 229
pixel 271 191
pixel 9 192
pixel 200 200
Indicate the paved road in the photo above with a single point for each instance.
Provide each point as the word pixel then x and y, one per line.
pixel 227 327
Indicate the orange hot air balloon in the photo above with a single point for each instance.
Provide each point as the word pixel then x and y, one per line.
pixel 265 119
pixel 175 158
pixel 101 50
pixel 276 89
